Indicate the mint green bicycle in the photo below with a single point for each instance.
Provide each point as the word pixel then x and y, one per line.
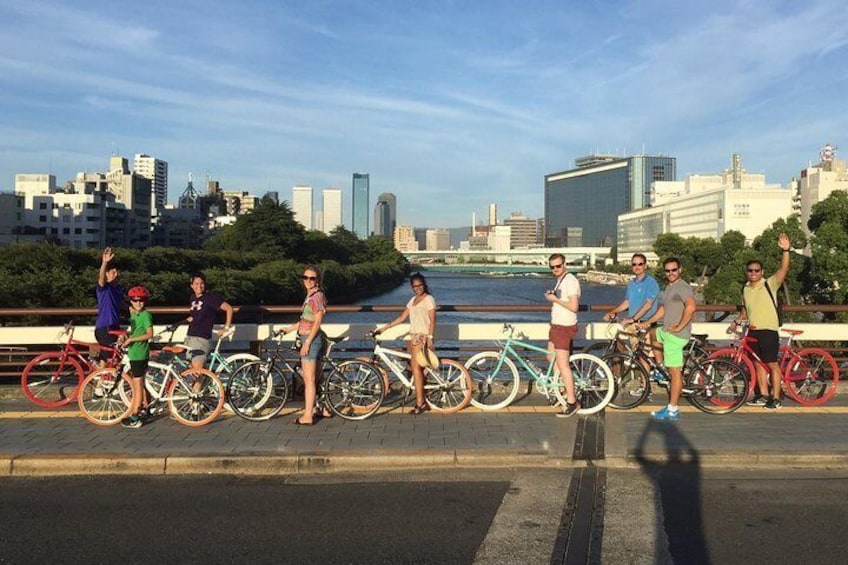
pixel 496 378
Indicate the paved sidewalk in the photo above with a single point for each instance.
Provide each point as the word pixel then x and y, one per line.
pixel 37 441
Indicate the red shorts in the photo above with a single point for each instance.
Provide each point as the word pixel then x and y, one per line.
pixel 562 336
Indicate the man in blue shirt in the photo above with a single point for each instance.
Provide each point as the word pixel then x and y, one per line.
pixel 640 298
pixel 109 296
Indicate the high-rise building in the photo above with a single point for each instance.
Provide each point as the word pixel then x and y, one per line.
pixel 385 215
pixel 157 171
pixel 705 206
pixel 818 181
pixel 592 195
pixel 361 210
pixel 438 240
pixel 493 214
pixel 302 205
pixel 382 219
pixel 525 231
pixel 332 209
pixel 404 239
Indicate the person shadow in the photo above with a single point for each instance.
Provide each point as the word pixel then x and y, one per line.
pixel 676 472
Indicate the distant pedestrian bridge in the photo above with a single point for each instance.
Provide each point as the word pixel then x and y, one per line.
pixel 510 261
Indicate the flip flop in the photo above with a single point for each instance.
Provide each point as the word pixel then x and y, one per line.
pixel 299 423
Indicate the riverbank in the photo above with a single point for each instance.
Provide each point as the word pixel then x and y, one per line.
pixel 602 278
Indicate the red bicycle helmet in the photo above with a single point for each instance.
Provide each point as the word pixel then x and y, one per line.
pixel 138 292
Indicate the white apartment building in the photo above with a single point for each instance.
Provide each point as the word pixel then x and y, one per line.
pixel 704 206
pixel 332 209
pixel 437 239
pixel 500 238
pixel 818 181
pixel 404 239
pixel 11 217
pixel 156 170
pixel 302 205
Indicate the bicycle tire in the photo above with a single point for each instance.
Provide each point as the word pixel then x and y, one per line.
pixel 101 399
pixel 716 386
pixel 599 348
pixel 449 388
pixel 495 380
pixel 52 379
pixel 632 384
pixel 594 385
pixel 738 357
pixel 196 398
pixel 257 390
pixel 811 376
pixel 354 390
pixel 231 364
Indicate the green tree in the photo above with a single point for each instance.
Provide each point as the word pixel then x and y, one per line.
pixel 828 275
pixel 269 229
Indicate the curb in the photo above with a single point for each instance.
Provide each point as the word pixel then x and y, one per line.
pixel 737 460
pixel 268 464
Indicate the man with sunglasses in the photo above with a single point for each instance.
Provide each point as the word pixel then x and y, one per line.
pixel 676 309
pixel 565 302
pixel 759 306
pixel 640 298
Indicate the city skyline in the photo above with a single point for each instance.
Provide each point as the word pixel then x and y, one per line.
pixel 433 113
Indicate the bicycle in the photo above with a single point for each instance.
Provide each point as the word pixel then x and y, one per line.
pixel 52 379
pixel 810 374
pixel 447 389
pixel 258 390
pixel 621 340
pixel 496 378
pixel 102 397
pixel 714 386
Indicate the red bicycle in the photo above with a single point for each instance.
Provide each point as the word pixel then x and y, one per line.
pixel 810 374
pixel 53 379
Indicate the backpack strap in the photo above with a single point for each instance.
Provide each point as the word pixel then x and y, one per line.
pixel 776 306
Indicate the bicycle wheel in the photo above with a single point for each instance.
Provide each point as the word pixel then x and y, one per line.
pixel 196 397
pixel 594 385
pixel 101 399
pixel 716 386
pixel 448 389
pixel 737 357
pixel 354 390
pixel 257 390
pixel 52 379
pixel 495 380
pixel 632 386
pixel 230 364
pixel 598 349
pixel 810 376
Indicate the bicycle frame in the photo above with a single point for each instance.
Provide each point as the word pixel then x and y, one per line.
pixel 545 382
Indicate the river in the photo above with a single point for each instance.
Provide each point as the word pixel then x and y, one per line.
pixel 458 288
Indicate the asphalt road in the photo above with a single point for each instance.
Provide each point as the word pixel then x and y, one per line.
pixel 680 514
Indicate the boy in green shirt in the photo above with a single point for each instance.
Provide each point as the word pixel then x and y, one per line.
pixel 137 344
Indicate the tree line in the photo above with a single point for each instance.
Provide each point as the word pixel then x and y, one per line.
pixel 257 260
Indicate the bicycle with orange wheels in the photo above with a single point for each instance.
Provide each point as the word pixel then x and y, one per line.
pixel 810 374
pixel 52 379
pixel 105 395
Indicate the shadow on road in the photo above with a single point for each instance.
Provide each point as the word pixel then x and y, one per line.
pixel 676 471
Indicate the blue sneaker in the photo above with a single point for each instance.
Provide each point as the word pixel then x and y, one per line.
pixel 666 415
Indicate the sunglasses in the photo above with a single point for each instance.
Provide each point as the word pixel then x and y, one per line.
pixel 754 270
pixel 636 264
pixel 136 300
pixel 559 266
pixel 308 278
pixel 672 270
pixel 418 286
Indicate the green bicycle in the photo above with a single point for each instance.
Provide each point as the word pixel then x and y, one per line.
pixel 496 378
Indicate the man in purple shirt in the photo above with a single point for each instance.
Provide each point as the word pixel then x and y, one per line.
pixel 109 296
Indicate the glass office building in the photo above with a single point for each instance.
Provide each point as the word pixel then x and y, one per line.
pixel 361 210
pixel 582 205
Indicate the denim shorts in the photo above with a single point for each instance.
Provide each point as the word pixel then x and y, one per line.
pixel 316 348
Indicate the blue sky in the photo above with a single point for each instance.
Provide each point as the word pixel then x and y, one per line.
pixel 450 105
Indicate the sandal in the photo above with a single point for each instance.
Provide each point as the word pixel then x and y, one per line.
pixel 416 410
pixel 298 422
